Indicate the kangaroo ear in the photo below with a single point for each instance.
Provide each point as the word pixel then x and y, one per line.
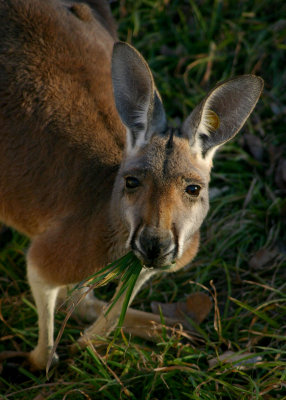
pixel 222 113
pixel 137 100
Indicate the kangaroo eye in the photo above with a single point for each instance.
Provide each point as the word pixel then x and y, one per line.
pixel 193 190
pixel 131 183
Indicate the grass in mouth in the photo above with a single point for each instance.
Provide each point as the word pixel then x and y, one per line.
pixel 127 269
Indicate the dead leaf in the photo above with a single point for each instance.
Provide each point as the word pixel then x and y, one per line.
pixel 239 360
pixel 274 154
pixel 280 174
pixel 261 258
pixel 275 108
pixel 172 51
pixel 39 397
pixel 196 307
pixel 254 145
pixel 279 25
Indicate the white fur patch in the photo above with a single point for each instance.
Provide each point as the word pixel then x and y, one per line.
pixel 188 226
pixel 132 149
pixel 130 220
pixel 209 123
pixel 45 296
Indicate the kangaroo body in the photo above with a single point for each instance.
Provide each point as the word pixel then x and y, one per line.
pixel 89 167
pixel 52 107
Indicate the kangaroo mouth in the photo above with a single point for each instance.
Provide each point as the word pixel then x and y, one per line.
pixel 164 262
pixel 153 250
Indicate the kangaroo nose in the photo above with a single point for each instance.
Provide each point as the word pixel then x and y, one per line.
pixel 154 243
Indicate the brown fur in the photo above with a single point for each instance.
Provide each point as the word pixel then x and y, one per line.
pixel 52 107
pixel 64 115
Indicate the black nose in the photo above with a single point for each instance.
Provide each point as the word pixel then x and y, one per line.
pixel 155 243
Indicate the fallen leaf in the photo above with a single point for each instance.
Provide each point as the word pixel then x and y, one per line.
pixel 171 52
pixel 254 145
pixel 279 25
pixel 280 174
pixel 196 307
pixel 39 397
pixel 239 360
pixel 274 154
pixel 275 108
pixel 261 258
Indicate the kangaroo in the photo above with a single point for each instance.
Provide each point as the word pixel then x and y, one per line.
pixel 90 167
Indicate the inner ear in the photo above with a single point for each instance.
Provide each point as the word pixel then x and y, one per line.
pixel 133 89
pixel 137 100
pixel 222 113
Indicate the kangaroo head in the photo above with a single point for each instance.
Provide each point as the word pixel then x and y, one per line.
pixel 161 190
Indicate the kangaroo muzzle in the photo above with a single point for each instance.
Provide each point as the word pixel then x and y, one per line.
pixel 155 247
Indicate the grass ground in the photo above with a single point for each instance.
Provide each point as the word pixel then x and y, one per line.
pixel 190 45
